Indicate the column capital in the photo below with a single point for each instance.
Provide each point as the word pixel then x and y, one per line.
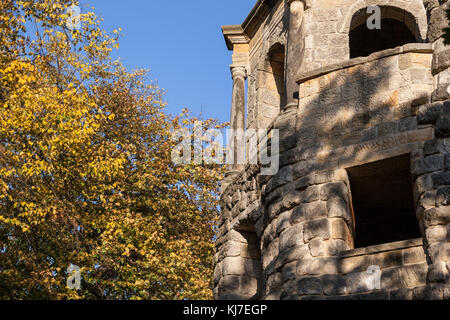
pixel 307 3
pixel 238 71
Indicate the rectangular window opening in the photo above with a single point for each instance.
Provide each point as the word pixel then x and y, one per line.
pixel 383 202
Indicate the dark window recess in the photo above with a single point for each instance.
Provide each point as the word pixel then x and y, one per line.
pixel 364 41
pixel 383 202
pixel 251 254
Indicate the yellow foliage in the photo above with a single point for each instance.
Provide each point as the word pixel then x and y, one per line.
pixel 85 170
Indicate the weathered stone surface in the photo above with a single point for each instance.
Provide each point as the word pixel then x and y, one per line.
pixel 334 190
pixel 359 282
pixel 240 266
pixel 292 254
pixel 335 246
pixel 289 271
pixel 388 259
pixel 401 294
pixel 304 182
pixel 438 21
pixel 429 113
pixel 290 200
pixel 338 208
pixel 317 248
pixel 291 237
pixel 309 211
pixel 283 221
pixel 436 216
pixel 427 165
pixel 355 264
pixel 281 178
pixel 414 256
pixel 346 113
pixel 273 287
pixel 443 127
pixel 443 196
pixel 406 277
pixel 270 254
pixel 334 285
pixel 441 178
pixel 309 286
pixel 316 229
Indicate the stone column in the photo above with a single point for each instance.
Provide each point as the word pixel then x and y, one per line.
pixel 295 49
pixel 237 122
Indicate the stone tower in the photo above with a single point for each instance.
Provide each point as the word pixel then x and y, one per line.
pixel 359 208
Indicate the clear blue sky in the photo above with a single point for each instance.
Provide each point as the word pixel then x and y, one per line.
pixel 182 44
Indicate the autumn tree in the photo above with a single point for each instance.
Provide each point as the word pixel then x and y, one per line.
pixel 86 176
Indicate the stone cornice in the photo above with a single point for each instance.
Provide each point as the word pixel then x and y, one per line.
pixel 242 33
pixel 234 34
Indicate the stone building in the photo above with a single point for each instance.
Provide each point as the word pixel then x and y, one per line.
pixel 359 208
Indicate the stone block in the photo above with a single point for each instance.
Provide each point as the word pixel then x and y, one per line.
pixel 309 286
pixel 309 211
pixel 302 169
pixel 240 266
pixel 413 256
pixel 428 164
pixel 289 271
pixel 311 194
pixel 316 248
pixel 340 230
pixel 338 208
pixel 292 254
pixel 443 127
pixel 388 259
pixel 304 182
pixel 291 237
pixel 334 190
pixel 270 254
pixel 422 293
pixel 360 282
pixel 283 177
pixel 334 285
pixel 290 200
pixel 441 178
pixel 438 233
pixel 355 264
pixel 423 184
pixel 429 113
pixel 336 246
pixel 283 221
pixel 405 277
pixel 316 229
pixel 443 196
pixel 436 216
pixel 309 267
pixel 401 294
pixel 407 124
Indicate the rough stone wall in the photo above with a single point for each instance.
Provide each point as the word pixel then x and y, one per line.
pixel 291 236
pixel 328 23
pixel 263 103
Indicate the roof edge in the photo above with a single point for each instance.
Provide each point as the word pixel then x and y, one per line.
pixel 237 33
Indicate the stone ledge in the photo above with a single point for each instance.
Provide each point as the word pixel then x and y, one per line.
pixel 382 248
pixel 410 47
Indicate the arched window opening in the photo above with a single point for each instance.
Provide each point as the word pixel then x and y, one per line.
pixel 398 28
pixel 276 61
pixel 271 86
